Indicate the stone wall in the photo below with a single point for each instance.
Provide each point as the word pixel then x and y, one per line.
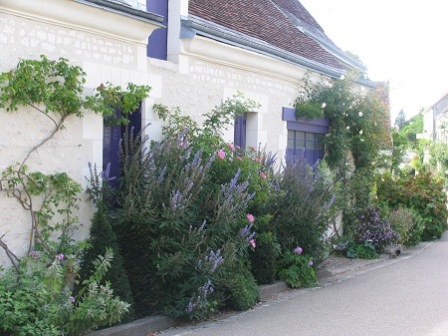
pixel 195 84
pixel 207 83
pixel 106 58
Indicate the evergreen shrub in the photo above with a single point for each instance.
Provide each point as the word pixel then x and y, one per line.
pixel 263 258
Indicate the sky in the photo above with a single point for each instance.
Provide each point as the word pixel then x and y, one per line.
pixel 401 42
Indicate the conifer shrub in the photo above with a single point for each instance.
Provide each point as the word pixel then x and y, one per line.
pixel 239 289
pixel 102 237
pixel 263 258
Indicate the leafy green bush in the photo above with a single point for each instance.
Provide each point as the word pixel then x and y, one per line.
pixel 357 194
pixel 36 299
pixel 408 224
pixel 364 250
pixel 424 193
pixel 297 269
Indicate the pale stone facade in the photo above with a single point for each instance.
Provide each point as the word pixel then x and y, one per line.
pixel 111 47
pixel 62 28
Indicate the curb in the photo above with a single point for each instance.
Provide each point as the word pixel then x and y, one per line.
pixel 140 327
pixel 157 323
pixel 266 291
pixel 152 324
pixel 329 271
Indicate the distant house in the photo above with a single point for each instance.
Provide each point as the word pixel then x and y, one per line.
pixel 193 54
pixel 435 121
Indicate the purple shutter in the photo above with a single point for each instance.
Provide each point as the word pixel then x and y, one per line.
pixel 112 136
pixel 157 42
pixel 239 138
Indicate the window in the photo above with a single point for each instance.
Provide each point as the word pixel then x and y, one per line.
pixel 305 137
pixel 305 145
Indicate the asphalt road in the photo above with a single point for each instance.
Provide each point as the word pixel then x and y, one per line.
pixel 406 296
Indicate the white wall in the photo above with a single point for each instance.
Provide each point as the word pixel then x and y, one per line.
pixel 199 74
pixel 26 33
pixel 209 79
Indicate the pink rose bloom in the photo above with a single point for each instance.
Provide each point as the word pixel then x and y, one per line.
pixel 250 218
pixel 252 242
pixel 221 154
pixel 35 254
pixel 310 263
pixel 298 250
pixel 263 175
pixel 60 256
pixel 232 147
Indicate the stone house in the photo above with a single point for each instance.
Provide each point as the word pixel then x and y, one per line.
pixel 435 119
pixel 199 52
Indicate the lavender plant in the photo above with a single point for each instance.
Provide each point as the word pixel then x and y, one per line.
pixel 181 201
pixel 159 225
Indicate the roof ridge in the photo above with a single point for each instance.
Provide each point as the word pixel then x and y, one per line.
pixel 194 24
pixel 319 36
pixel 267 20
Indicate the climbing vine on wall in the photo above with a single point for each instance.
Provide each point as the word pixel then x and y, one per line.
pixel 358 124
pixel 55 89
pixel 358 118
